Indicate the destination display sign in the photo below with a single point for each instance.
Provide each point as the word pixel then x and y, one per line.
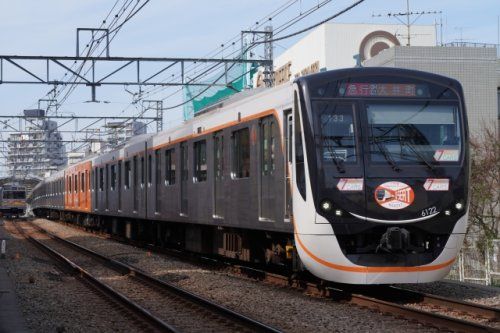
pixel 383 90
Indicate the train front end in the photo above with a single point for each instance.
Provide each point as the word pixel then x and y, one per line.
pixel 380 175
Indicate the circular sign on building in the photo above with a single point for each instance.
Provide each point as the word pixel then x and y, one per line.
pixel 375 42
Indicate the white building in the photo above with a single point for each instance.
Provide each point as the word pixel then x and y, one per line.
pixel 119 132
pixel 38 150
pixel 340 45
pixel 336 45
pixel 75 157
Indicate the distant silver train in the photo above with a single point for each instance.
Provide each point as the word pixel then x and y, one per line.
pixel 359 176
pixel 12 200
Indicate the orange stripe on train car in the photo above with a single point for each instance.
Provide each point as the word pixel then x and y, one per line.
pixel 357 269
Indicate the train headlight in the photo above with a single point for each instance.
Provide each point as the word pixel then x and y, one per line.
pixel 338 212
pixel 326 206
pixel 447 212
pixel 459 206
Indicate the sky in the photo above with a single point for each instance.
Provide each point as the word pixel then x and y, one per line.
pixel 190 28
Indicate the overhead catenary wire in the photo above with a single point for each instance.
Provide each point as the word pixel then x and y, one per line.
pixel 343 11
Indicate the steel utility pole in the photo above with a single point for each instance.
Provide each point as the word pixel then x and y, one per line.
pixel 408 23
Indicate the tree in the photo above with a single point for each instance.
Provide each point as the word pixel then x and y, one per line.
pixel 484 211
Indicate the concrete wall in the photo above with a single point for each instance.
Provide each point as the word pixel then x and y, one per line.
pixel 475 68
pixel 334 45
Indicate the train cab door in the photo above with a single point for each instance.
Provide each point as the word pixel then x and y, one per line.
pixel 288 163
pixel 267 168
pixel 219 175
pixel 184 178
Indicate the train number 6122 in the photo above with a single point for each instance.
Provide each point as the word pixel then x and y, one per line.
pixel 429 211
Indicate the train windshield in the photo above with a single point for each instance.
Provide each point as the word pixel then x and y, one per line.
pixel 423 133
pixel 14 195
pixel 336 137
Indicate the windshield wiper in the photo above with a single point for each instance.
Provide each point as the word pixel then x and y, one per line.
pixel 404 141
pixel 337 160
pixel 386 153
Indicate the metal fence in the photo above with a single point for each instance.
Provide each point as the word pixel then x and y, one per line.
pixel 478 265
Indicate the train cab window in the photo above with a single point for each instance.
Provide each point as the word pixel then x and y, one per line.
pixel 127 174
pixel 412 133
pixel 69 184
pixel 336 133
pixel 299 150
pixel 200 161
pixel 241 154
pixel 170 167
pixel 113 177
pixel 101 179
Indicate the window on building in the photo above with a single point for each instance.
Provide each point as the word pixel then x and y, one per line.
pixel 200 161
pixel 170 167
pixel 127 175
pixel 113 177
pixel 241 154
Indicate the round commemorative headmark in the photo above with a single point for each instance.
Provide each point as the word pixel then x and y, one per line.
pixel 394 195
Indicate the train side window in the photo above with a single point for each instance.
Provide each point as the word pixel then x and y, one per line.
pixel 127 175
pixel 101 179
pixel 299 150
pixel 107 177
pixel 113 177
pixel 142 170
pixel 240 154
pixel 75 183
pixel 150 169
pixel 96 182
pixel 200 161
pixel 69 184
pixel 82 182
pixel 170 167
pixel 157 167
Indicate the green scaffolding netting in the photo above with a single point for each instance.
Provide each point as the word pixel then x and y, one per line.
pixel 239 77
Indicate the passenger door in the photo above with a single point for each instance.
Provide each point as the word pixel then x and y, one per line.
pixel 219 175
pixel 267 168
pixel 184 178
pixel 288 163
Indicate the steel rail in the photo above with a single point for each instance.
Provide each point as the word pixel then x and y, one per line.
pixel 89 279
pixel 476 309
pixel 352 294
pixel 245 321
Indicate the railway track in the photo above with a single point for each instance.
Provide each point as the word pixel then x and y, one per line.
pixel 164 306
pixel 441 312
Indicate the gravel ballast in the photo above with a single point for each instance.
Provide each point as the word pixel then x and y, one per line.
pixel 286 309
pixel 53 301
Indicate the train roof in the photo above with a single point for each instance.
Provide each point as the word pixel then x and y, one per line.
pixel 376 71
